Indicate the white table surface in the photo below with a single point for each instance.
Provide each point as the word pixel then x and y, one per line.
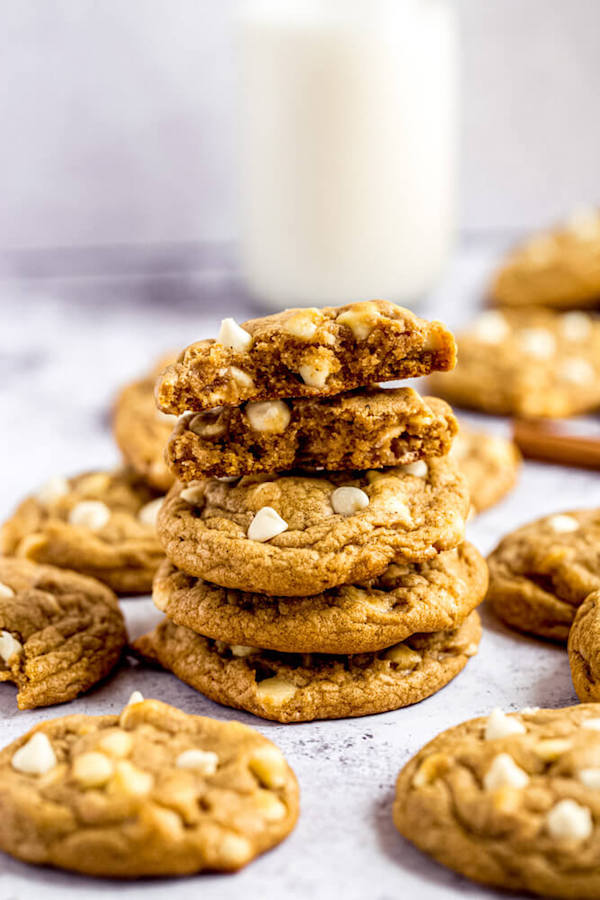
pixel 66 345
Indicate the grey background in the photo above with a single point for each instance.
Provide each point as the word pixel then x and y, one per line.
pixel 118 118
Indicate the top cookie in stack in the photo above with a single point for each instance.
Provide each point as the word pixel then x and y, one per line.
pixel 305 478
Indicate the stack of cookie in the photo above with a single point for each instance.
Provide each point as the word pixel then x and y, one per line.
pixel 315 558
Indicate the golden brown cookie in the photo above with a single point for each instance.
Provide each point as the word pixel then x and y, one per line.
pixel 142 431
pixel 99 523
pixel 489 463
pixel 557 268
pixel 289 687
pixel 541 573
pixel 435 595
pixel 527 363
pixel 363 429
pixel 510 801
pixel 584 649
pixel 153 791
pixel 291 535
pixel 60 632
pixel 305 353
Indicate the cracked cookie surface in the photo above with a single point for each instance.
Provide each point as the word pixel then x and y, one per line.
pixel 542 572
pixel 526 363
pixel 435 595
pixel 60 632
pixel 489 463
pixel 141 432
pixel 556 268
pixel 99 523
pixel 584 649
pixel 510 801
pixel 363 429
pixel 301 687
pixel 305 353
pixel 153 791
pixel 300 534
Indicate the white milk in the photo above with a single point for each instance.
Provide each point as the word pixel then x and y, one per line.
pixel 348 160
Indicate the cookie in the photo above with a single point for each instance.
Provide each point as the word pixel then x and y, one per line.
pixel 153 791
pixel 541 573
pixel 526 363
pixel 584 649
pixel 557 268
pixel 489 463
pixel 100 524
pixel 304 353
pixel 141 432
pixel 289 687
pixel 299 534
pixel 60 632
pixel 510 801
pixel 435 595
pixel 363 429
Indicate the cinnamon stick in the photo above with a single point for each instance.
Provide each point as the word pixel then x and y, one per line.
pixel 540 440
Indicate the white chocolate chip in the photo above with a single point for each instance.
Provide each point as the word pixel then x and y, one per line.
pixel 584 223
pixel 233 336
pixel 148 513
pixel 361 318
pixel 234 850
pixel 553 748
pixel 490 327
pixel 529 710
pixel 165 417
pixel 192 494
pixel 271 416
pixel 266 524
pixel 270 807
pixel 55 488
pixel 316 373
pixel 36 757
pixel 405 657
pixel 116 743
pixel 591 724
pixel 9 645
pixel 499 725
pixel 136 697
pixel 537 342
pixel 208 424
pixel 562 524
pixel 92 769
pixel 6 591
pixel 576 326
pixel 275 690
pixel 576 370
pixel 241 651
pixel 569 821
pixel 203 761
pixel 269 766
pixel 242 379
pixel 92 514
pixel 348 500
pixel 418 468
pixel 590 778
pixel 504 772
pixel 303 324
pixel 133 782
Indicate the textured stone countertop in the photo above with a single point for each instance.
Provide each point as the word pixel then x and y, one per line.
pixel 65 347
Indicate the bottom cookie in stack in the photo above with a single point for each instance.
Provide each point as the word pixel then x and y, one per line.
pixel 349 651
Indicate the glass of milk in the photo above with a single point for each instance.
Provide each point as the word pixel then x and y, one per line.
pixel 348 148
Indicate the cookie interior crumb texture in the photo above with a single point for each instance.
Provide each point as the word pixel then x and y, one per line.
pixel 306 353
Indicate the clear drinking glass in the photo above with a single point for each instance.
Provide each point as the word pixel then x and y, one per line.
pixel 348 169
